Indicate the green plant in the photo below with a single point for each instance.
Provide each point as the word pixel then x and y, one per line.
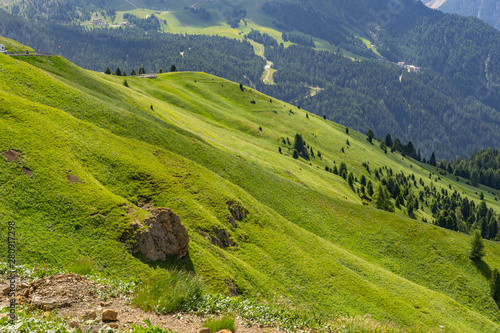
pixel 168 292
pixel 216 325
pixel 82 266
pixel 477 251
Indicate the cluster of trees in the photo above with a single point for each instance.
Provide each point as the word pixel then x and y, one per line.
pixel 307 21
pixel 298 39
pixel 481 167
pixel 386 98
pixel 152 23
pixel 233 18
pixel 129 48
pixel 261 38
pixel 201 13
pixel 60 11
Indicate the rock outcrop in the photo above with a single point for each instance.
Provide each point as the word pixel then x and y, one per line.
pixel 238 212
pixel 164 235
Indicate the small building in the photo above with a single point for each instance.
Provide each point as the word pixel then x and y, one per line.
pixel 3 49
pixel 98 21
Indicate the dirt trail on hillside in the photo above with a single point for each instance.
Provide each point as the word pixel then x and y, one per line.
pixel 84 303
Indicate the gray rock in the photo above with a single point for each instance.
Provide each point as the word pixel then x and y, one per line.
pixel 164 235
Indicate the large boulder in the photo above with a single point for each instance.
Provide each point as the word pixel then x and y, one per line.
pixel 164 235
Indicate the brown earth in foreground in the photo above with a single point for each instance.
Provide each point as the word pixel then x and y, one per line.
pixel 82 302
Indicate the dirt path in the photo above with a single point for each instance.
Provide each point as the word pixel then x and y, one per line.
pixel 81 303
pixel 267 68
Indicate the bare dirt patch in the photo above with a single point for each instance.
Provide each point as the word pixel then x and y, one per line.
pixel 82 302
pixel 73 179
pixel 11 155
pixel 27 172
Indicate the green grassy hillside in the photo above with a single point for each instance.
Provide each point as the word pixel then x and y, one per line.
pixel 194 142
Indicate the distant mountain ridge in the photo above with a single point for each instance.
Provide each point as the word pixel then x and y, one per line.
pixel 486 10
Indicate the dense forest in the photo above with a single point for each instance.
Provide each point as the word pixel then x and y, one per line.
pixel 129 48
pixel 421 107
pixel 481 167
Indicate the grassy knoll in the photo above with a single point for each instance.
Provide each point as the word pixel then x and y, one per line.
pixel 194 142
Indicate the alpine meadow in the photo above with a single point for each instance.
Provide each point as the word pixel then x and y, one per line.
pixel 247 166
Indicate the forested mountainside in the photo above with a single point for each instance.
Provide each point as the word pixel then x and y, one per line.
pixel 486 10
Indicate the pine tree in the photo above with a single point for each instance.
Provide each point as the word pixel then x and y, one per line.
pixel 124 73
pixel 363 180
pixel 279 149
pixel 382 199
pixel 350 179
pixel 347 130
pixel 370 135
pixel 160 71
pixel 388 140
pixel 369 188
pixel 477 246
pixel 335 170
pixel 173 68
pixel 125 83
pixel 118 72
pixel 107 71
pixel 133 72
pixel 295 154
pixel 432 160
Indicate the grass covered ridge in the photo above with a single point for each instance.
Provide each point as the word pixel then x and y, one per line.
pixel 191 142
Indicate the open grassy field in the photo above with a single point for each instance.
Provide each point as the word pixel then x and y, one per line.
pixel 192 142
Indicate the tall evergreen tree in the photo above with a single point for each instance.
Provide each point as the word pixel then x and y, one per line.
pixel 370 135
pixel 432 160
pixel 477 246
pixel 173 68
pixel 388 140
pixel 107 71
pixel 118 72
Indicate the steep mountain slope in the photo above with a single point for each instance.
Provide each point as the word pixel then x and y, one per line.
pixel 488 11
pixel 195 143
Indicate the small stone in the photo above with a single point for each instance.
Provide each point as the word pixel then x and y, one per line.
pixel 113 325
pixel 109 315
pixel 204 330
pixel 90 314
pixel 89 322
pixel 6 291
pixel 73 324
pixel 106 304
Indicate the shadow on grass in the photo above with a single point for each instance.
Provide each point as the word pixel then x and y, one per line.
pixel 172 263
pixel 483 268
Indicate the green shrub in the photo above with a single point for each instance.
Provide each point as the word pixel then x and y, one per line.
pixel 168 292
pixel 220 324
pixel 82 266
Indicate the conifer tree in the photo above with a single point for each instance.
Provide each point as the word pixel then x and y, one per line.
pixel 432 160
pixel 118 72
pixel 388 140
pixel 173 68
pixel 160 71
pixel 133 72
pixel 370 135
pixel 369 188
pixel 107 71
pixel 477 246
